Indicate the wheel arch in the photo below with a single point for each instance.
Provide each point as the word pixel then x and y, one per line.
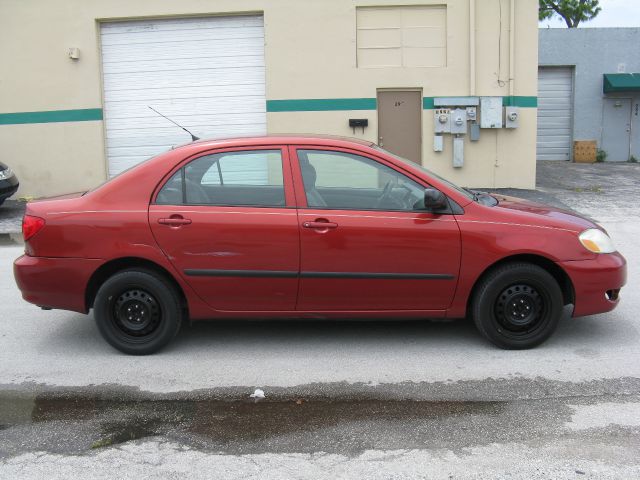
pixel 112 267
pixel 563 279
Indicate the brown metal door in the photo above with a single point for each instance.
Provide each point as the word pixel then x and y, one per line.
pixel 400 123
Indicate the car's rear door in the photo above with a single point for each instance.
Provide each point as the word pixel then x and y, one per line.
pixel 227 221
pixel 367 247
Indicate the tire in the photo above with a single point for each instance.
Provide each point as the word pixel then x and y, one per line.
pixel 517 306
pixel 137 311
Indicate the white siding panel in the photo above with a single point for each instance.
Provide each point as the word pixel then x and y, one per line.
pixel 207 74
pixel 555 113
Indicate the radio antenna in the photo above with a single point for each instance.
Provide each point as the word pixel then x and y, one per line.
pixel 193 137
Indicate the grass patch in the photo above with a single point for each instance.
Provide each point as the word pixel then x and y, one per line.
pixel 590 189
pixel 103 442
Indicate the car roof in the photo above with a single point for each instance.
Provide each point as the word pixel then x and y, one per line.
pixel 282 139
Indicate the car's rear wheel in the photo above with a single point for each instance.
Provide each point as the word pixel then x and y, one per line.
pixel 517 305
pixel 137 311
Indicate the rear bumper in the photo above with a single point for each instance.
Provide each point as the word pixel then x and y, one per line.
pixel 54 282
pixel 596 283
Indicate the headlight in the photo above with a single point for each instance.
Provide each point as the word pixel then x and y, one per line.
pixel 596 241
pixel 4 174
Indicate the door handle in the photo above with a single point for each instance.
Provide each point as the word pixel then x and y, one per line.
pixel 174 221
pixel 320 224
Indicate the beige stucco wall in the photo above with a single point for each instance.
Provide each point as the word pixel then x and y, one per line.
pixel 310 50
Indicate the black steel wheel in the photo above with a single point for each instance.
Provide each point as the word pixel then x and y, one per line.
pixel 517 305
pixel 137 311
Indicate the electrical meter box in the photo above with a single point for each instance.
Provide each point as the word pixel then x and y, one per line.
pixel 490 112
pixel 474 132
pixel 472 114
pixel 438 143
pixel 458 152
pixel 442 120
pixel 459 121
pixel 511 117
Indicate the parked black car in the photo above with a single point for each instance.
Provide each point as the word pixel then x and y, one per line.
pixel 8 183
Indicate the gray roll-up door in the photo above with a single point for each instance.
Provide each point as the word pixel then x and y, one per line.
pixel 555 113
pixel 207 74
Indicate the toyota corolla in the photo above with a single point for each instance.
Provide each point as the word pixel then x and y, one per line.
pixel 308 227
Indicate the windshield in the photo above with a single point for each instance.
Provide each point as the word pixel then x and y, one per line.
pixel 467 193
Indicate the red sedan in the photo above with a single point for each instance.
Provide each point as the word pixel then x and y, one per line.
pixel 308 227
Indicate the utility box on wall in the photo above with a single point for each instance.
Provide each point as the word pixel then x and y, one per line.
pixel 511 117
pixel 490 112
pixel 459 121
pixel 442 120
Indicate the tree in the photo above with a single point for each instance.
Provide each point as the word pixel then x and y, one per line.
pixel 572 11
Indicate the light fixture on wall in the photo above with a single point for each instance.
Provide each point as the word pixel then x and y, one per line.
pixel 74 53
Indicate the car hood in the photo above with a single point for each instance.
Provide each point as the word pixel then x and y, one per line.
pixel 556 217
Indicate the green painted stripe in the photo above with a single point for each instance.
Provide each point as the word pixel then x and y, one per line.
pixel 334 104
pixel 321 104
pixel 298 105
pixel 427 103
pixel 509 101
pixel 516 101
pixel 52 116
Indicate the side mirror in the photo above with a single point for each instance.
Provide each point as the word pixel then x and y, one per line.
pixel 434 200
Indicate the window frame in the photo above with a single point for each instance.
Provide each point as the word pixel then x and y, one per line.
pixel 301 195
pixel 287 178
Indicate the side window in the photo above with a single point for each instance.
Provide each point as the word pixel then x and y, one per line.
pixel 171 193
pixel 249 178
pixel 262 167
pixel 352 182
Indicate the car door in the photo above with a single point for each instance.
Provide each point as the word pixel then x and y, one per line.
pixel 227 222
pixel 365 243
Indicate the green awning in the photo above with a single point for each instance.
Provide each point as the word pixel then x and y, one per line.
pixel 621 82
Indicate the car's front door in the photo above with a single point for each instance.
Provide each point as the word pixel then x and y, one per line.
pixel 365 242
pixel 227 222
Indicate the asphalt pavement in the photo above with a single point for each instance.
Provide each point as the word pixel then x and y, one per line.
pixel 381 400
pixel 11 212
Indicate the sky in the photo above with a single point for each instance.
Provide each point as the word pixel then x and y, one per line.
pixel 615 13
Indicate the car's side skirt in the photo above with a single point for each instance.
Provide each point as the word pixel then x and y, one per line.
pixel 291 274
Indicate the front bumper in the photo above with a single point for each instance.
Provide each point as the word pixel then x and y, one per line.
pixel 8 187
pixel 55 282
pixel 596 282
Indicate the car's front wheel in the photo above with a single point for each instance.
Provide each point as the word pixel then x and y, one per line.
pixel 517 305
pixel 137 311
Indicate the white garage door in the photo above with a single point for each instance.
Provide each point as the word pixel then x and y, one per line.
pixel 555 113
pixel 206 74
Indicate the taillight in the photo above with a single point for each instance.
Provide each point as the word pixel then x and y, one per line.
pixel 31 225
